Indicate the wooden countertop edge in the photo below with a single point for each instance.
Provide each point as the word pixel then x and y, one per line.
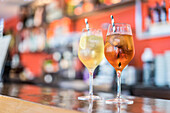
pixel 14 105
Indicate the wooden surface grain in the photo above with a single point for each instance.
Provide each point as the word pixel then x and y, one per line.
pixel 13 105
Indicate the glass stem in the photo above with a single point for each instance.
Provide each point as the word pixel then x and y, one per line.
pixel 90 106
pixel 119 84
pixel 91 83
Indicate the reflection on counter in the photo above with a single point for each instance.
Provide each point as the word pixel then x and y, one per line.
pixel 68 99
pixel 45 37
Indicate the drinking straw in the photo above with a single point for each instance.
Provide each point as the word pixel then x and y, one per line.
pixel 86 22
pixel 113 24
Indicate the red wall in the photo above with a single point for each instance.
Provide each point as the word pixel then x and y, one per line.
pixel 11 23
pixel 34 61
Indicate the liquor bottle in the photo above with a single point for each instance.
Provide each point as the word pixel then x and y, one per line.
pixel 160 70
pixel 148 66
pixel 148 20
pixel 168 14
pixel 167 65
pixel 105 74
pixel 156 13
pixel 163 11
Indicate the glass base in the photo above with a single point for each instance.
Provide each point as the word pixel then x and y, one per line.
pixel 89 98
pixel 119 101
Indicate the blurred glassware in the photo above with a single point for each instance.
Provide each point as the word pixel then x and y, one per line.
pixel 33 40
pixel 148 66
pixel 167 64
pixel 160 73
pixel 48 78
pixel 105 74
pixel 57 56
pixel 15 61
pixel 50 66
pixel 1 27
pixel 129 75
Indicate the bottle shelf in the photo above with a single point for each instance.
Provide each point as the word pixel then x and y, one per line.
pixel 104 8
pixel 157 30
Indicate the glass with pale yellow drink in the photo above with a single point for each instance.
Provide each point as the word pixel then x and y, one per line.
pixel 91 53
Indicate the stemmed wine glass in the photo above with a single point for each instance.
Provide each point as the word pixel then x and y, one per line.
pixel 119 51
pixel 91 53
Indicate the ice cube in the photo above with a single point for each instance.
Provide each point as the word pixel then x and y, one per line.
pixel 93 53
pixel 116 42
pixel 85 52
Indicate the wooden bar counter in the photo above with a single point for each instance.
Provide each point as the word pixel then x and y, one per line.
pixel 23 98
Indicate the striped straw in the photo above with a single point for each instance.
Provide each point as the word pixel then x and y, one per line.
pixel 86 22
pixel 113 24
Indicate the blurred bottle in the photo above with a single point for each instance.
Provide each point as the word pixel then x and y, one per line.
pixel 74 7
pixel 30 18
pixel 129 75
pixel 168 11
pixel 1 27
pixel 160 78
pixel 157 13
pixel 163 11
pixel 167 64
pixel 148 19
pixel 50 66
pixel 109 2
pixel 69 7
pixel 15 61
pixel 38 16
pixel 148 66
pixel 105 74
pixel 88 6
